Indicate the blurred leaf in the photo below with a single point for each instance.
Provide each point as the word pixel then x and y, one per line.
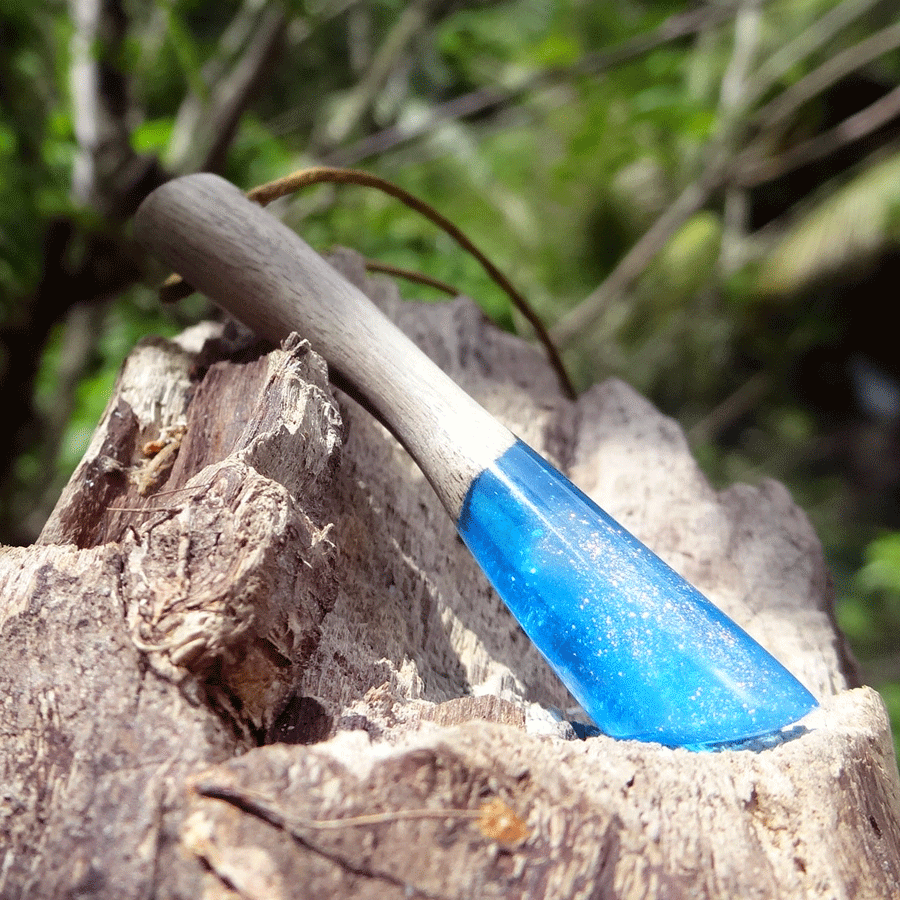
pixel 557 50
pixel 687 262
pixel 854 618
pixel 152 135
pixel 881 571
pixel 845 228
pixel 890 693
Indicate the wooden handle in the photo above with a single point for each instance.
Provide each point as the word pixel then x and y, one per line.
pixel 259 270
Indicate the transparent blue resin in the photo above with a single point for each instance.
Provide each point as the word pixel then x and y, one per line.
pixel 645 653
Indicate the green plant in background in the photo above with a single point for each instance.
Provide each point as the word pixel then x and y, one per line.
pixel 870 616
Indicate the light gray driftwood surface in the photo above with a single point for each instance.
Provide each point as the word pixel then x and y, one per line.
pixel 264 274
pixel 283 631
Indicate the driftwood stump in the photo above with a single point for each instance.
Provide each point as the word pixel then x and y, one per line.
pixel 249 619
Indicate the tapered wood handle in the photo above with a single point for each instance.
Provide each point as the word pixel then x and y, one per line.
pixel 252 265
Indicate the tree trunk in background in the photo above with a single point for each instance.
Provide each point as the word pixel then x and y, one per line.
pixel 249 617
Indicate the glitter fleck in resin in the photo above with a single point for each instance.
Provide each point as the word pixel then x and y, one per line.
pixel 644 652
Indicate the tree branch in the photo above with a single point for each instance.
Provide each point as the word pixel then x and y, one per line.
pixel 752 169
pixel 356 104
pixel 586 314
pixel 107 171
pixel 787 103
pixel 805 44
pixel 205 130
pixel 237 90
pixel 746 44
pixel 732 101
pixel 79 264
pixel 633 264
pixel 99 100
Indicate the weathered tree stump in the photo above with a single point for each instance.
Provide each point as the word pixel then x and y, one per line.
pixel 249 618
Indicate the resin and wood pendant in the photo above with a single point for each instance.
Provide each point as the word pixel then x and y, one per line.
pixel 644 652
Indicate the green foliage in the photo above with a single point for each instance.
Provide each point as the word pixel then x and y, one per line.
pixel 881 572
pixel 152 135
pixel 36 141
pixel 185 49
pixel 869 615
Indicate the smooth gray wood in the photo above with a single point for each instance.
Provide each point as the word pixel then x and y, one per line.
pixel 259 270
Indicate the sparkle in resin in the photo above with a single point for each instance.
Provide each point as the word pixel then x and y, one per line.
pixel 644 652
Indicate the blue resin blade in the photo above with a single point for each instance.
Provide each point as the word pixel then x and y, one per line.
pixel 644 652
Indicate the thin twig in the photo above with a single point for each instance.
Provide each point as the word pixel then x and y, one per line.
pixel 305 177
pixel 732 102
pixel 746 43
pixel 373 265
pixel 174 288
pixel 496 820
pixel 235 92
pixel 205 128
pixel 260 805
pixel 732 408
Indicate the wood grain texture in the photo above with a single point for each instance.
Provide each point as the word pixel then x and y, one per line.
pixel 307 587
pixel 604 819
pixel 147 636
pixel 265 275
